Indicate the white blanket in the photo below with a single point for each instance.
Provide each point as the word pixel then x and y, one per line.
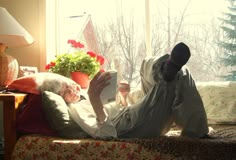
pixel 219 100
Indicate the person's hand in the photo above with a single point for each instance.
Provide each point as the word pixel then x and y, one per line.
pixel 98 83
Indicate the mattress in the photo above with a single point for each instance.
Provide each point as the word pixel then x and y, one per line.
pixel 220 144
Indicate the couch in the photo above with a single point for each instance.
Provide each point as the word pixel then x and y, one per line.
pixel 219 99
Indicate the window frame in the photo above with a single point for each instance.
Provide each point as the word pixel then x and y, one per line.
pixel 53 28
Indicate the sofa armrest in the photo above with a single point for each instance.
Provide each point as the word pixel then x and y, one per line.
pixel 219 100
pixel 11 102
pixel 135 95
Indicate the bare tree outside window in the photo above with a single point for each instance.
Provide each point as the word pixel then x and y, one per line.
pixel 119 26
pixel 196 23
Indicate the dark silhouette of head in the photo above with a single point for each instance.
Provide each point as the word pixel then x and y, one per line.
pixel 180 54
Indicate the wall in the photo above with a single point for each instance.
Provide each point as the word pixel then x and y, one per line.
pixel 31 15
pixel 1 120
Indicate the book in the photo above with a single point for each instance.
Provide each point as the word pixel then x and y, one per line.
pixel 109 92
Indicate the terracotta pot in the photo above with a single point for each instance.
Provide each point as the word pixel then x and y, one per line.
pixel 81 78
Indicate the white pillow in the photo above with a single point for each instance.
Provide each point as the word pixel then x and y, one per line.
pixel 219 99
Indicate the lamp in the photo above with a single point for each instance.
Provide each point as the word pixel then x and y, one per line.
pixel 12 34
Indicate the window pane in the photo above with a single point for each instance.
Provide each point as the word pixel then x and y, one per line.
pixel 118 26
pixel 198 24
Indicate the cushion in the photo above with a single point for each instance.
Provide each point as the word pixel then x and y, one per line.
pixel 58 116
pixel 31 119
pixel 26 84
pixel 36 83
pixel 219 100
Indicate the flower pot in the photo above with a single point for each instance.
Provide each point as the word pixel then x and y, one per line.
pixel 80 78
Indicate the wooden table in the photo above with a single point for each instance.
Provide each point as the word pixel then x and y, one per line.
pixel 11 102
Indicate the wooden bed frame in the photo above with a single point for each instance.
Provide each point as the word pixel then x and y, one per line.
pixel 11 102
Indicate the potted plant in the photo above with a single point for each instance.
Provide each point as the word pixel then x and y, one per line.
pixel 81 63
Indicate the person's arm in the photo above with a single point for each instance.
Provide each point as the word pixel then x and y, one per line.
pixel 84 116
pixel 91 115
pixel 97 84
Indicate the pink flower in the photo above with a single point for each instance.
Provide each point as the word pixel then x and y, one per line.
pixel 78 45
pixel 75 44
pixel 51 64
pixel 100 59
pixel 47 67
pixel 102 70
pixel 71 41
pixel 92 54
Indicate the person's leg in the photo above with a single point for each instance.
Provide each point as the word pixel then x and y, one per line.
pixel 154 114
pixel 176 101
pixel 154 69
pixel 150 117
pixel 123 92
pixel 146 71
pixel 188 109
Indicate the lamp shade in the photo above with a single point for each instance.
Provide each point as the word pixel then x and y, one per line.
pixel 12 34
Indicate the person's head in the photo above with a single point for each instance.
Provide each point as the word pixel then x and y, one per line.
pixel 70 93
pixel 67 89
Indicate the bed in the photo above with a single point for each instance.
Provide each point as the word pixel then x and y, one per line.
pixel 220 102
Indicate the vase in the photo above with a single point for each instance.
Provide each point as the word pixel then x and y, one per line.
pixel 8 68
pixel 80 78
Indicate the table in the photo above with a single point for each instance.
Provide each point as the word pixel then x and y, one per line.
pixel 11 102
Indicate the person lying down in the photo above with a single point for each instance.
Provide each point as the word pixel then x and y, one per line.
pixel 170 96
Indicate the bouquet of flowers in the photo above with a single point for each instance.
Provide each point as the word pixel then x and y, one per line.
pixel 79 61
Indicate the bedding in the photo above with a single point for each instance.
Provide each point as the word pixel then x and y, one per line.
pixel 219 99
pixel 214 94
pixel 31 118
pixel 220 145
pixel 220 104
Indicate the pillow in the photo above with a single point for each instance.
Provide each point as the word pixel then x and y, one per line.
pixel 30 118
pixel 56 111
pixel 219 99
pixel 26 84
pixel 44 81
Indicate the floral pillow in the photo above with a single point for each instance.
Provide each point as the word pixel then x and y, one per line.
pixel 57 115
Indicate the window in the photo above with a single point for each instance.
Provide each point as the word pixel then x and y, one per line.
pixel 198 24
pixel 122 30
pixel 119 27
